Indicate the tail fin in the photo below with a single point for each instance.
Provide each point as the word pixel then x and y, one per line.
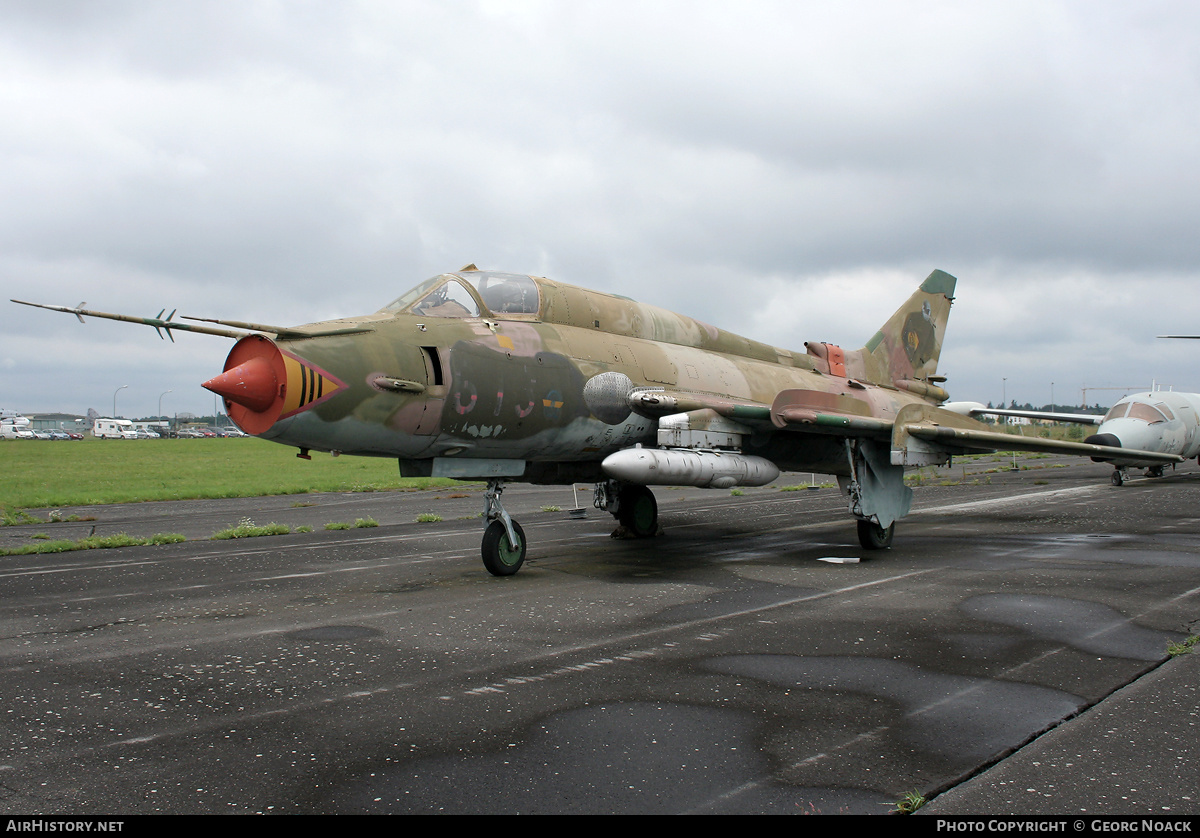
pixel 905 351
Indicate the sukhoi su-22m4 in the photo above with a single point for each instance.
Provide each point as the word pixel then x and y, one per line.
pixel 485 375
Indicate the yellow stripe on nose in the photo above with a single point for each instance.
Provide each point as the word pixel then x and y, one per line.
pixel 305 385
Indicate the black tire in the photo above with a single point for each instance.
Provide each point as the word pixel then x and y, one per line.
pixel 1117 477
pixel 637 511
pixel 499 557
pixel 874 537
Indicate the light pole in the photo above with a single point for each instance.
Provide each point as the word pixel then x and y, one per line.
pixel 1004 403
pixel 119 389
pixel 160 413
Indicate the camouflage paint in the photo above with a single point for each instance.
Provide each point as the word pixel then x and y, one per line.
pixel 510 385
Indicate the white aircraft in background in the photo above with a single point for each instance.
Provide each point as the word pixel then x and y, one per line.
pixel 1163 423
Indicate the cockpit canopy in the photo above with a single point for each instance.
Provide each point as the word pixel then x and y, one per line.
pixel 470 294
pixel 1140 410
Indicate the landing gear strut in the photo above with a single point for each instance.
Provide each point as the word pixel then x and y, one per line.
pixel 503 546
pixel 878 496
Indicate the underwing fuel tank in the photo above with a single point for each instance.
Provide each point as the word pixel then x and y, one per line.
pixel 685 467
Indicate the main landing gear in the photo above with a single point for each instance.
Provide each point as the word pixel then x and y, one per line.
pixel 874 537
pixel 1118 475
pixel 877 493
pixel 633 506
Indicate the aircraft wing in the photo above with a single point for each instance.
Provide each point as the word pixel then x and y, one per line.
pixel 814 411
pixel 923 433
pixel 808 411
pixel 976 409
pixel 920 434
pixel 655 402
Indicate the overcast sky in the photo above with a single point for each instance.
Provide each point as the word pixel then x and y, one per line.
pixel 789 171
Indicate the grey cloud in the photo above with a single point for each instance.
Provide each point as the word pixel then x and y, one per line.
pixel 294 161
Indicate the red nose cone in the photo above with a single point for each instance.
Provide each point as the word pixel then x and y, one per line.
pixel 251 384
pixel 262 384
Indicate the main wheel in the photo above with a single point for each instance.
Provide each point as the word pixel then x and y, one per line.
pixel 637 510
pixel 1117 477
pixel 1154 471
pixel 874 537
pixel 499 556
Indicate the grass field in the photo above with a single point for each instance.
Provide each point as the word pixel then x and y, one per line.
pixel 39 473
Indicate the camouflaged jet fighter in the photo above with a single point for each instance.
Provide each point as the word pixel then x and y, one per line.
pixel 484 375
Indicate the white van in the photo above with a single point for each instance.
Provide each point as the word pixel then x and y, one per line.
pixel 14 426
pixel 113 429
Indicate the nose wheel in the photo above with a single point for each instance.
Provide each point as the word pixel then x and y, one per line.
pixel 1118 476
pixel 500 556
pixel 503 546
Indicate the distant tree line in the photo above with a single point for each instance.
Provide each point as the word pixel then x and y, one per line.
pixel 1054 408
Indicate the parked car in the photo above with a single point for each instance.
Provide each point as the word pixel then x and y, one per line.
pixel 55 433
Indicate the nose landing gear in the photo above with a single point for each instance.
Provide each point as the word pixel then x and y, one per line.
pixel 503 546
